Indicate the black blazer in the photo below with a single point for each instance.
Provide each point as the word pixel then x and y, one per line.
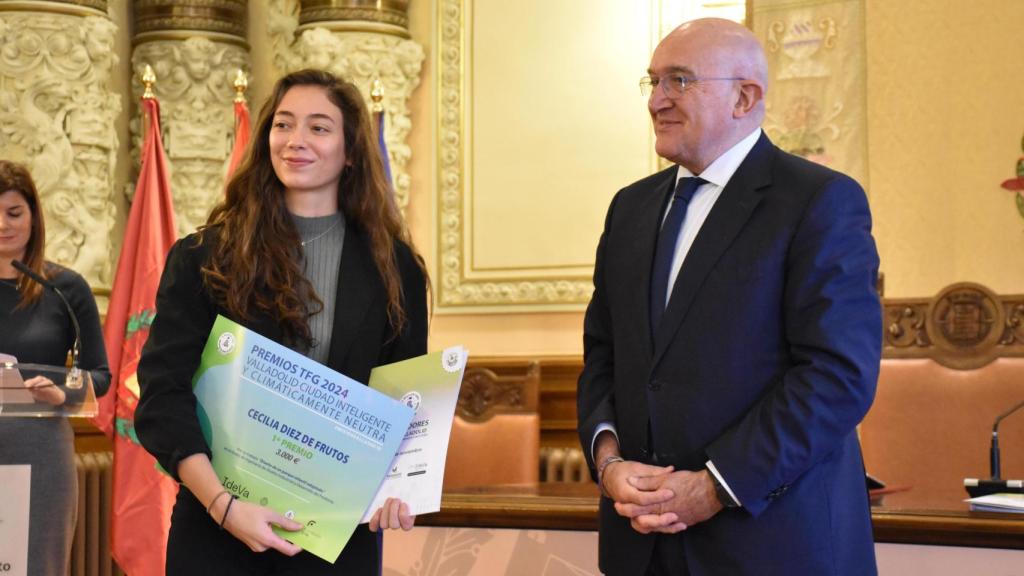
pixel 764 362
pixel 165 418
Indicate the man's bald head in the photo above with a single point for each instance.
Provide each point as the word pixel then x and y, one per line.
pixel 725 75
pixel 732 46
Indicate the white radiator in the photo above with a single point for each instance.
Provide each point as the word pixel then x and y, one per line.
pixel 563 465
pixel 90 549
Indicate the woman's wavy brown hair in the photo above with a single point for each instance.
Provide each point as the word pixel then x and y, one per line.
pixel 15 177
pixel 255 264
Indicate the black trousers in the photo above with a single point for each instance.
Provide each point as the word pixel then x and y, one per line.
pixel 668 558
pixel 196 546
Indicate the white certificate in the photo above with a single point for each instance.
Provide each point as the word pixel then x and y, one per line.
pixel 430 385
pixel 15 483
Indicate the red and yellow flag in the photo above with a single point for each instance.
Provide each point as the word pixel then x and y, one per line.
pixel 143 495
pixel 242 127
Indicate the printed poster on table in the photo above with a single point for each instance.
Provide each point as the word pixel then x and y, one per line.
pixel 293 435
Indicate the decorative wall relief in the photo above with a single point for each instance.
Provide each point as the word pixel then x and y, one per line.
pixel 57 117
pixel 964 326
pixel 194 86
pixel 361 42
pixel 195 48
pixel 816 105
pixel 485 394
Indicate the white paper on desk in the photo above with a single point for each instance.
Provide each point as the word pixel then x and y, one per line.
pixel 12 386
pixel 998 503
pixel 16 483
pixel 430 385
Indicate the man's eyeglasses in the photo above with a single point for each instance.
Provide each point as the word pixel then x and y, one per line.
pixel 673 85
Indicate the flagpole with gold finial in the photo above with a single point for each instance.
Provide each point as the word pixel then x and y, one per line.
pixel 377 105
pixel 242 124
pixel 377 96
pixel 377 111
pixel 148 81
pixel 241 84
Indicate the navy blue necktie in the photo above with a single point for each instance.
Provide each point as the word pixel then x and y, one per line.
pixel 667 239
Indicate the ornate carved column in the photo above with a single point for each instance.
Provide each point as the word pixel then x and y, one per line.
pixel 195 47
pixel 359 40
pixel 57 117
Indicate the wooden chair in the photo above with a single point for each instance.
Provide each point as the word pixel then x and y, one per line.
pixel 951 365
pixel 496 432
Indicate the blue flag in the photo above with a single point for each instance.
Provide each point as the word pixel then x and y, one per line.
pixel 383 146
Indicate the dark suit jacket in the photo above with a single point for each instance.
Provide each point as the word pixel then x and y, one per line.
pixel 165 419
pixel 764 362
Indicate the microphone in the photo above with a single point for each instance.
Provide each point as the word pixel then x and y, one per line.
pixel 995 484
pixel 74 377
pixel 994 450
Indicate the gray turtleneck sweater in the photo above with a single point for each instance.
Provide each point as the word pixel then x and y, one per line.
pixel 323 238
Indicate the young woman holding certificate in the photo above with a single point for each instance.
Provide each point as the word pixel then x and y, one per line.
pixel 36 328
pixel 308 249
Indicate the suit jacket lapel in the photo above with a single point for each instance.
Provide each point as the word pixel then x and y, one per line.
pixel 357 280
pixel 645 242
pixel 724 222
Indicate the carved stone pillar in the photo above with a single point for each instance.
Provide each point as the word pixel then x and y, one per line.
pixel 358 40
pixel 57 117
pixel 195 48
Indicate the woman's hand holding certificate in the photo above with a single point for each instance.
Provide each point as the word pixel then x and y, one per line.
pixel 393 514
pixel 289 435
pixel 247 522
pixel 252 523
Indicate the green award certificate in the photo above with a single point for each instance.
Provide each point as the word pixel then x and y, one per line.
pixel 430 385
pixel 293 435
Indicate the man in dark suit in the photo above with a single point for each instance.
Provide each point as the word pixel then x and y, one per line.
pixel 733 340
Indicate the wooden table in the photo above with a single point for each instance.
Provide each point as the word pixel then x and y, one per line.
pixel 905 517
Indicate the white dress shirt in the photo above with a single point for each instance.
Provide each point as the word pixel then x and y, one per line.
pixel 717 175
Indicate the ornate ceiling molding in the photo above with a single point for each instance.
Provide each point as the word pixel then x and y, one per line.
pixel 381 16
pixel 223 20
pixel 69 7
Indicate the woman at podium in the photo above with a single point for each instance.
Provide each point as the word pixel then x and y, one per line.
pixel 38 329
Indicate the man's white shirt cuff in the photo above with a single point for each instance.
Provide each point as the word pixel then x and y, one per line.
pixel 603 426
pixel 608 426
